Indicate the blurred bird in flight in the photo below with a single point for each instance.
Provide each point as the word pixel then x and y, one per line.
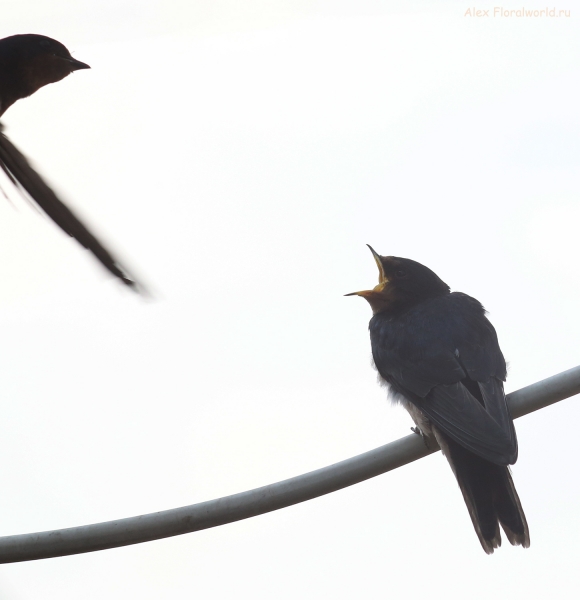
pixel 440 357
pixel 27 63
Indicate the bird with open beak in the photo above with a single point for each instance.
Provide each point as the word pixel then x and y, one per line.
pixel 440 357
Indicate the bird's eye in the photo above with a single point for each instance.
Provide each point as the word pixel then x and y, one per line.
pixel 400 273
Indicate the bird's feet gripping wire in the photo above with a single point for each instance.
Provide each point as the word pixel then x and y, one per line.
pixel 423 436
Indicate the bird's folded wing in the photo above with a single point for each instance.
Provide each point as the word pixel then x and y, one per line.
pixel 21 173
pixel 487 431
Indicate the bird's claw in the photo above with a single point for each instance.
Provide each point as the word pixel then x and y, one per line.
pixel 423 436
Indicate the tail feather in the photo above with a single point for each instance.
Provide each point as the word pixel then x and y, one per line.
pixel 509 510
pixel 490 496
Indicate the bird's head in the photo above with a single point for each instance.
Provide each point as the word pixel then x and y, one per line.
pixel 403 283
pixel 29 62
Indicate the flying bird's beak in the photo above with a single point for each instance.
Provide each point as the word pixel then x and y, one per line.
pixel 383 280
pixel 77 65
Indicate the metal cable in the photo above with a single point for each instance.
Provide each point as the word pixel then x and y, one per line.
pixel 177 521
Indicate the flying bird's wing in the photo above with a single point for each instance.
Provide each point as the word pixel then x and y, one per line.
pixel 21 173
pixel 443 357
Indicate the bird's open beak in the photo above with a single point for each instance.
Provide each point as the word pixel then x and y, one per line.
pixel 383 280
pixel 77 65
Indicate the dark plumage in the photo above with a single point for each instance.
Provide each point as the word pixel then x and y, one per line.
pixel 440 356
pixel 27 63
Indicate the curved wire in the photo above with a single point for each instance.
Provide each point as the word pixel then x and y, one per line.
pixel 177 521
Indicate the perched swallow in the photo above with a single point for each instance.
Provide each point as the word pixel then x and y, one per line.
pixel 27 63
pixel 441 359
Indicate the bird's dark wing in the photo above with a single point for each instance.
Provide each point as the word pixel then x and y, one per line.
pixel 21 173
pixel 443 356
pixel 486 430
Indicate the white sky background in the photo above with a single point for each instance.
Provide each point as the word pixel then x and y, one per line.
pixel 239 155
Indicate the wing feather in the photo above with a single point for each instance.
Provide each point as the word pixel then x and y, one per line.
pixel 444 357
pixel 484 430
pixel 21 173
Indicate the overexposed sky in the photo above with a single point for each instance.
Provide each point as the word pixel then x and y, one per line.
pixel 239 156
